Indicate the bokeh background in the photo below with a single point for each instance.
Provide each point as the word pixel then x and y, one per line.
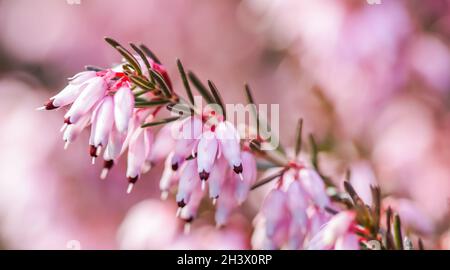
pixel 371 82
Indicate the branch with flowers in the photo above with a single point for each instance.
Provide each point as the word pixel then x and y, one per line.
pixel 203 150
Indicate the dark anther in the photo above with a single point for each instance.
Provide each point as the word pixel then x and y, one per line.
pixel 181 204
pixel 108 164
pixel 92 151
pixel 133 180
pixel 237 169
pixel 175 166
pixel 49 105
pixel 204 175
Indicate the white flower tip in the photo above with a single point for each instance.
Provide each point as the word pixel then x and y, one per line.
pixel 177 214
pixel 40 108
pixel 214 201
pixel 104 173
pixel 93 160
pixel 241 176
pixel 164 195
pixel 147 167
pixel 187 228
pixel 63 127
pixel 203 185
pixel 130 187
pixel 66 145
pixel 99 150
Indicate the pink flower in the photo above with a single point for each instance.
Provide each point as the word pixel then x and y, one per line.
pixel 249 176
pixel 70 92
pixel 189 132
pixel 217 178
pixel 168 178
pixel 338 226
pixel 188 181
pixel 164 144
pixel 206 154
pixel 226 203
pixel 138 149
pixel 102 122
pixel 315 187
pixel 229 145
pixel 123 108
pixel 93 92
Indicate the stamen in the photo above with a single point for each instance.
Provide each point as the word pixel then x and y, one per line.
pixel 66 145
pixel 175 166
pixel 93 160
pixel 40 108
pixel 204 175
pixel 187 228
pixel 164 195
pixel 99 150
pixel 238 169
pixel 203 185
pixel 63 127
pixel 241 176
pixel 177 214
pixel 130 187
pixel 214 201
pixel 181 204
pixel 131 182
pixel 104 173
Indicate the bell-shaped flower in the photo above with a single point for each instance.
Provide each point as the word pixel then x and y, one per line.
pixel 348 241
pixel 226 203
pixel 274 209
pixel 138 149
pixel 123 108
pixel 188 181
pixel 248 176
pixel 206 154
pixel 93 92
pixel 216 178
pixel 103 121
pixel 230 145
pixel 73 131
pixel 164 144
pixel 189 212
pixel 338 226
pixel 187 135
pixel 70 92
pixel 113 150
pixel 168 178
pixel 315 187
pixel 297 201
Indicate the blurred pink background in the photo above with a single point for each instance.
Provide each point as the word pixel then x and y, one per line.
pixel 371 82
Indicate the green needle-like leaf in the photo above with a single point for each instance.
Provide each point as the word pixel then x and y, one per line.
pixel 113 42
pixel 267 179
pixel 298 141
pixel 200 87
pixel 161 83
pixel 398 238
pixel 149 53
pixel 130 59
pixel 161 122
pixel 185 81
pixel 217 97
pixel 151 103
pixel 141 55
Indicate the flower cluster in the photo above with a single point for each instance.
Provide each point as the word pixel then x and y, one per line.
pixel 104 101
pixel 201 148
